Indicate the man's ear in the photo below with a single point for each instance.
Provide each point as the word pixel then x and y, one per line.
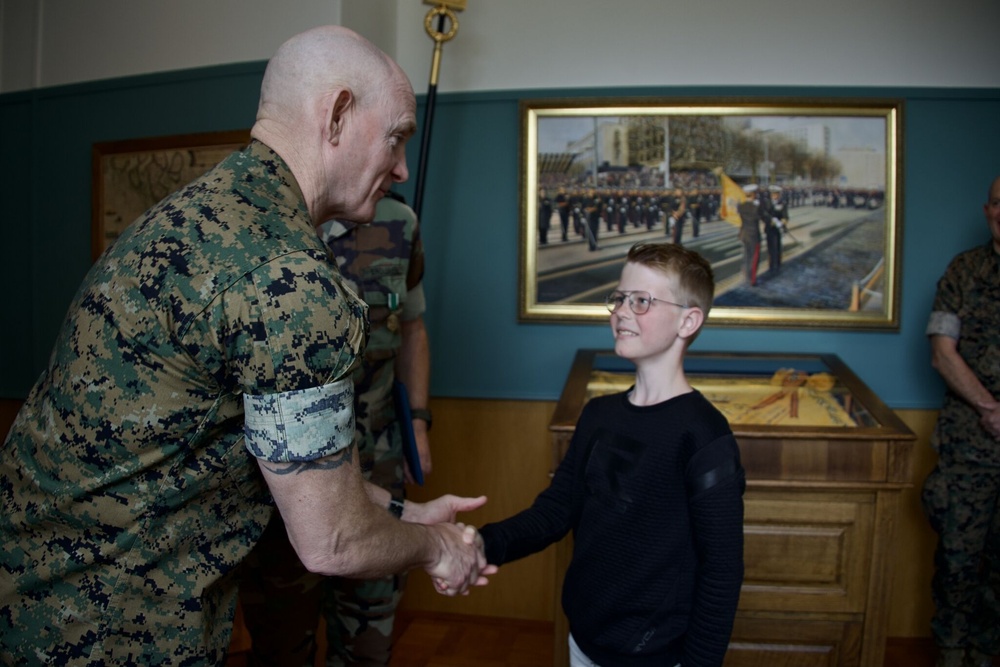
pixel 337 114
pixel 691 322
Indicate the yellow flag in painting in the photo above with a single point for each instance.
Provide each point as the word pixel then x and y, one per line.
pixel 732 196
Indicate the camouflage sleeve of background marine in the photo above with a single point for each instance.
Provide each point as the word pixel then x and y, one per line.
pixel 944 319
pixel 292 335
pixel 415 303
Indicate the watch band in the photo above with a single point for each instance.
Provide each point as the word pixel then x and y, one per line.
pixel 421 413
pixel 396 508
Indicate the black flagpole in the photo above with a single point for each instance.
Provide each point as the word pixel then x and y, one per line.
pixel 440 37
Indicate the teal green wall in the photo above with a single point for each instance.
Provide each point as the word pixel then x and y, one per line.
pixel 471 220
pixel 45 144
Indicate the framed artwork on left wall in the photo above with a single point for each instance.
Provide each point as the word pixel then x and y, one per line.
pixel 131 175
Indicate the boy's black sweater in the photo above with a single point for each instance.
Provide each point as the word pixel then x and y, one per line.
pixel 657 515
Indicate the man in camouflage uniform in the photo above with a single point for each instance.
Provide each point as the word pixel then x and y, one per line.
pixel 204 369
pixel 384 264
pixel 961 494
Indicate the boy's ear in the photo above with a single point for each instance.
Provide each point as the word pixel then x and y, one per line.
pixel 691 322
pixel 337 115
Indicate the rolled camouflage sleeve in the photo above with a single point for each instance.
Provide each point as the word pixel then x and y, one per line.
pixel 300 425
pixel 416 302
pixel 944 324
pixel 294 334
pixel 944 318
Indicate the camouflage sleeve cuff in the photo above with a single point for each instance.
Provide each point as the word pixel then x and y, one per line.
pixel 944 324
pixel 300 425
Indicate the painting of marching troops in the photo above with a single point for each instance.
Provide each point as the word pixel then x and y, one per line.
pixel 791 210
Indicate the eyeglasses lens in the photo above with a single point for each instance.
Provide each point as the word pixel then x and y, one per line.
pixel 638 301
pixel 614 301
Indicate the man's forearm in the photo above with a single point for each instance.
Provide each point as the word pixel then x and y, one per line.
pixel 413 370
pixel 957 374
pixel 413 362
pixel 338 525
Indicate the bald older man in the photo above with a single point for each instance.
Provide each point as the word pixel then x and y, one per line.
pixel 203 369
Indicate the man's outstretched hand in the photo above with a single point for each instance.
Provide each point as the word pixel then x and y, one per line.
pixel 463 563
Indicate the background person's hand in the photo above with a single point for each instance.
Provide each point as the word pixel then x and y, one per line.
pixel 442 509
pixel 989 417
pixel 423 451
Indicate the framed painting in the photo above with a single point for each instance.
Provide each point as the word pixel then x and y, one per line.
pixel 796 205
pixel 129 176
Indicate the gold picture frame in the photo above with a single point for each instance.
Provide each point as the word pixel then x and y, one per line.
pixel 835 164
pixel 130 176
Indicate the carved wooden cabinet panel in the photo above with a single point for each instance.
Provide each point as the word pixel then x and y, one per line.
pixel 814 643
pixel 825 468
pixel 806 552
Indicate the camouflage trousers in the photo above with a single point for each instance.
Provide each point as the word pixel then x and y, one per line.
pixel 282 601
pixel 961 502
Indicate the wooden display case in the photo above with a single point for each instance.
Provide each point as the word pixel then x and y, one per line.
pixel 826 462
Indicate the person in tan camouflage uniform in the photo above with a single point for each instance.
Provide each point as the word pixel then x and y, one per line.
pixel 203 376
pixel 962 493
pixel 384 264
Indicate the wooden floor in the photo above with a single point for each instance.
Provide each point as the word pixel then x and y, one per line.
pixel 450 640
pixel 442 640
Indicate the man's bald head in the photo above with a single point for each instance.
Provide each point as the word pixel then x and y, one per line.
pixel 317 61
pixel 339 112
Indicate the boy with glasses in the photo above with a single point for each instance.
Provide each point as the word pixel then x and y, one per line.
pixel 652 487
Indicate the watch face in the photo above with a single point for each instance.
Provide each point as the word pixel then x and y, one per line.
pixel 396 508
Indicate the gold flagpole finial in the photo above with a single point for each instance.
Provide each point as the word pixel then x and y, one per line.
pixel 443 9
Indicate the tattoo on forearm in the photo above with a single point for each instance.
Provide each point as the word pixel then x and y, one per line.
pixel 345 457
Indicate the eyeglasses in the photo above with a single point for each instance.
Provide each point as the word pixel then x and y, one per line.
pixel 639 302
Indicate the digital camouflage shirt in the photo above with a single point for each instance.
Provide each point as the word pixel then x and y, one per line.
pixel 967 308
pixel 129 483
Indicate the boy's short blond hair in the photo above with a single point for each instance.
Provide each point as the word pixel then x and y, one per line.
pixel 691 273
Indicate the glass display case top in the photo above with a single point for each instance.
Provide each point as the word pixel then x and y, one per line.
pixel 751 389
